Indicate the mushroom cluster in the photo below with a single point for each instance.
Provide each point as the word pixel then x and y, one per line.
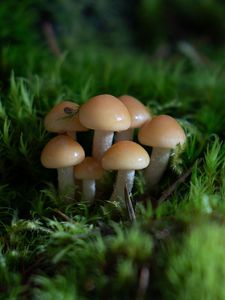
pixel 111 119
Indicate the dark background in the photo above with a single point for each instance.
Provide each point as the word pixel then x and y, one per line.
pixel 150 26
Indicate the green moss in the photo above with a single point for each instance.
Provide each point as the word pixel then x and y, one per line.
pixel 196 270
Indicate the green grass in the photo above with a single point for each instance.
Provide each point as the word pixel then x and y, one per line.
pixel 56 250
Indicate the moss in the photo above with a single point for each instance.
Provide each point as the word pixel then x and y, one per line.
pixel 196 270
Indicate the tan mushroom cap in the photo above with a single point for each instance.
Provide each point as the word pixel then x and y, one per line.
pixel 64 117
pixel 105 112
pixel 162 131
pixel 125 155
pixel 89 168
pixel 138 112
pixel 62 151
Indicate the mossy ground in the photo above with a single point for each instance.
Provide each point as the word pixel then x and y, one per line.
pixel 56 250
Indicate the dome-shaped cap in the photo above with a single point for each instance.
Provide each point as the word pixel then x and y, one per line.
pixel 64 117
pixel 89 168
pixel 162 131
pixel 105 112
pixel 138 112
pixel 125 155
pixel 62 151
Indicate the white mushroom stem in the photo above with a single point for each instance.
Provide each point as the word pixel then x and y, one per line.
pixel 66 184
pixel 124 177
pixel 102 141
pixel 89 188
pixel 72 134
pixel 125 135
pixel 157 166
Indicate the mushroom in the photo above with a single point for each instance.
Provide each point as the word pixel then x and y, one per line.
pixel 105 114
pixel 163 133
pixel 61 153
pixel 126 157
pixel 139 115
pixel 88 171
pixel 64 118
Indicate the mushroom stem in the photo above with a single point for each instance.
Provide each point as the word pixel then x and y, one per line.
pixel 66 184
pixel 157 166
pixel 125 135
pixel 72 134
pixel 89 189
pixel 102 141
pixel 124 177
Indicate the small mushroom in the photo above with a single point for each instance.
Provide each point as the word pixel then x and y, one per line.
pixel 64 118
pixel 88 171
pixel 105 114
pixel 126 157
pixel 139 115
pixel 163 133
pixel 62 153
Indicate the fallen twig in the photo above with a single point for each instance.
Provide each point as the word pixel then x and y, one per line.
pixel 165 194
pixel 143 282
pixel 181 179
pixel 62 215
pixel 51 38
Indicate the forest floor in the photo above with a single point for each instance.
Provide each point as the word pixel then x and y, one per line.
pixel 52 249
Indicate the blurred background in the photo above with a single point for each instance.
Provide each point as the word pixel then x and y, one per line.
pixel 158 28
